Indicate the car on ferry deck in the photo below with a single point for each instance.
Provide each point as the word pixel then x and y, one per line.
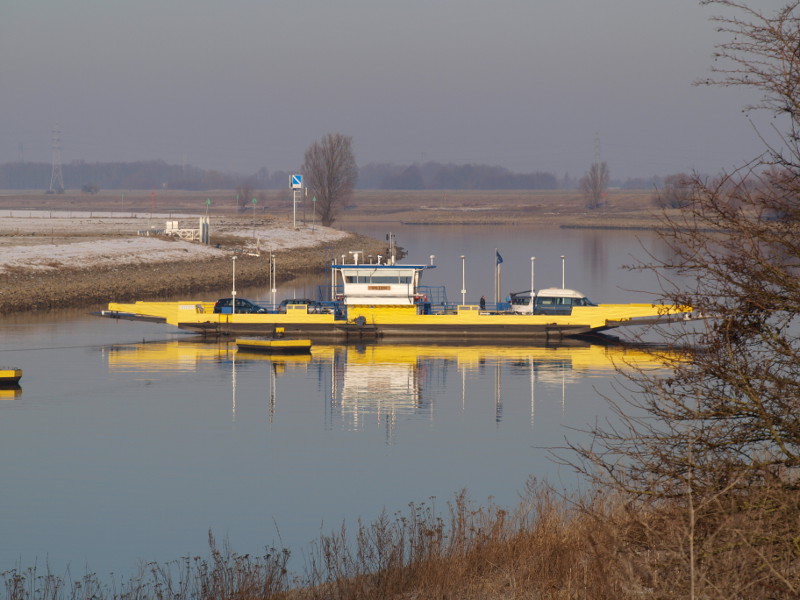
pixel 548 301
pixel 243 306
pixel 314 306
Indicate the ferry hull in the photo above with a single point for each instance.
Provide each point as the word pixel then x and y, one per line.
pixel 401 323
pixel 344 331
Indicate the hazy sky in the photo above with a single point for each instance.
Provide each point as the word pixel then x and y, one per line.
pixel 242 84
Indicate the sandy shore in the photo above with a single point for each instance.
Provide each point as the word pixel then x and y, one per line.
pixel 76 259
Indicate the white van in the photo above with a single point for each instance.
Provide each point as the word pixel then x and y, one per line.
pixel 548 301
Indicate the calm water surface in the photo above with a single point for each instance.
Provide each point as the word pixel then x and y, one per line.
pixel 129 442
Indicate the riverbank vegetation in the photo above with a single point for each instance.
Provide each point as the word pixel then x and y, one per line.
pixel 596 545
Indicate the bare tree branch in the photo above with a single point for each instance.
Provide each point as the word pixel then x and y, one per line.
pixel 717 440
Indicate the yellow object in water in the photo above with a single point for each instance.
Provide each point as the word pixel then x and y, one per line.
pixel 10 376
pixel 275 346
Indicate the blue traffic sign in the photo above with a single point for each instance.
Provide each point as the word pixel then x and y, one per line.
pixel 297 181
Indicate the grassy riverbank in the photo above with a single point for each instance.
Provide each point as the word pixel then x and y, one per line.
pixel 588 547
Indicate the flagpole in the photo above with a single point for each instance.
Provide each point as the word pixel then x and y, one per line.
pixel 497 262
pixel 499 298
pixel 496 275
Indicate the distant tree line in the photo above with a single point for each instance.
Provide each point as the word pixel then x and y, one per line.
pixel 139 175
pixel 157 174
pixel 438 176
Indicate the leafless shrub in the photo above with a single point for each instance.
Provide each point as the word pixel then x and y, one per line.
pixel 710 455
pixel 676 193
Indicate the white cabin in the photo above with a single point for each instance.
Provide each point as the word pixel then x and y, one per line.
pixel 377 284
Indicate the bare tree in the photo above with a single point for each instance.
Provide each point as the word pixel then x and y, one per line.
pixel 676 193
pixel 244 195
pixel 718 440
pixel 331 173
pixel 594 184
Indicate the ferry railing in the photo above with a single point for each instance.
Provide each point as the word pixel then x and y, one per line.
pixel 433 294
pixel 434 300
pixel 452 307
pixel 426 307
pixel 333 307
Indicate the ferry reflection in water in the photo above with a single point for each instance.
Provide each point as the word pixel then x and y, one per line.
pixel 377 384
pixel 10 392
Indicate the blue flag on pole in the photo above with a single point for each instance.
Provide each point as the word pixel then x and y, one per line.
pixel 499 258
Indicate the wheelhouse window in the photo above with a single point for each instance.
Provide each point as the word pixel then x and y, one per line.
pixel 379 279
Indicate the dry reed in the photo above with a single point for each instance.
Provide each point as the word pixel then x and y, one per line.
pixel 551 546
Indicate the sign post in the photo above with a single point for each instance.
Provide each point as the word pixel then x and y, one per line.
pixel 463 282
pixel 233 291
pixel 254 216
pixel 272 276
pixel 296 184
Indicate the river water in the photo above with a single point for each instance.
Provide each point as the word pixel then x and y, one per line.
pixel 129 442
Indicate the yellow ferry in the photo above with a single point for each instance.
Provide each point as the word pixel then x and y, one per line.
pixel 388 301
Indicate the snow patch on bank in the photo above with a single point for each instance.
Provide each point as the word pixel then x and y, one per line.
pixel 285 238
pixel 126 250
pixel 103 253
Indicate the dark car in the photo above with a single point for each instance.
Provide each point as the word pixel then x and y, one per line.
pixel 243 306
pixel 314 306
